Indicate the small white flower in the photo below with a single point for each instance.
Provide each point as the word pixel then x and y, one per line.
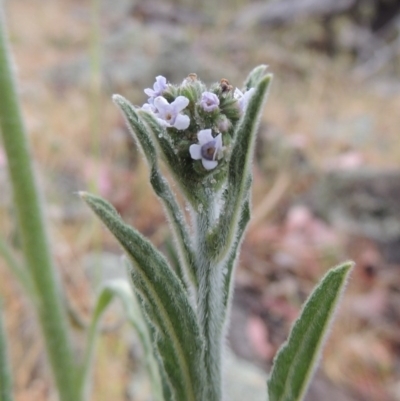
pixel 243 98
pixel 169 114
pixel 208 150
pixel 158 88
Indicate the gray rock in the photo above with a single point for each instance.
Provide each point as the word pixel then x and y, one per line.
pixel 103 266
pixel 116 10
pixel 362 201
pixel 288 11
pixel 243 380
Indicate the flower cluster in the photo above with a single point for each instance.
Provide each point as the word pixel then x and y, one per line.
pixel 203 119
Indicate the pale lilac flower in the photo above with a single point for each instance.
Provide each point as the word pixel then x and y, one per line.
pixel 209 101
pixel 208 150
pixel 149 107
pixel 243 98
pixel 169 114
pixel 158 88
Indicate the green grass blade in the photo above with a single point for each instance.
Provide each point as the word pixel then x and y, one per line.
pixel 5 371
pixel 296 361
pixel 32 227
pixel 120 289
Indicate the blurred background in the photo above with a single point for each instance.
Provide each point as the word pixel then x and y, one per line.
pixel 326 173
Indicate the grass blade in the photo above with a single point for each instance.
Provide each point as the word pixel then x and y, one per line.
pixel 120 289
pixel 5 371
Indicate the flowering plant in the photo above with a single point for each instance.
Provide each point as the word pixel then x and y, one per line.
pixel 205 136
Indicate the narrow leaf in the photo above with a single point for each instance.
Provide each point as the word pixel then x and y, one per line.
pixel 160 137
pixel 5 371
pixel 164 302
pixel 160 184
pixel 239 170
pixel 229 265
pixel 296 361
pixel 183 172
pixel 120 289
pixel 173 256
pixel 254 77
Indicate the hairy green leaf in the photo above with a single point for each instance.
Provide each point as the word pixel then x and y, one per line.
pixel 183 172
pixel 240 170
pixel 164 302
pixel 297 359
pixel 229 265
pixel 254 77
pixel 160 184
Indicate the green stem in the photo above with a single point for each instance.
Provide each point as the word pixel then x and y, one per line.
pixel 209 304
pixel 35 247
pixel 5 371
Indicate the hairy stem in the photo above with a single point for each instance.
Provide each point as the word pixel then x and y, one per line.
pixel 209 305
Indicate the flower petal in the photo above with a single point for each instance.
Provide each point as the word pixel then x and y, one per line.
pixel 158 88
pixel 195 151
pixel 238 93
pixel 182 122
pixel 163 123
pixel 209 101
pixel 160 84
pixel 218 142
pixel 149 92
pixel 244 100
pixel 149 108
pixel 204 136
pixel 180 103
pixel 162 105
pixel 209 164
